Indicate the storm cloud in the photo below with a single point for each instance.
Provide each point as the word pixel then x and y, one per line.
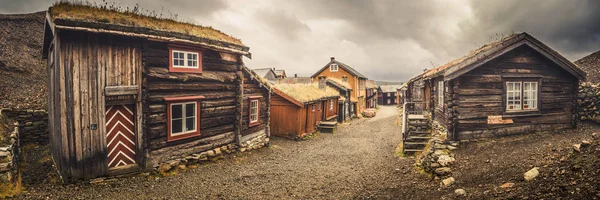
pixel 383 39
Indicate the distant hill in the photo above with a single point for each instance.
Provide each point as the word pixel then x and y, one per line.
pixel 591 65
pixel 379 83
pixel 22 71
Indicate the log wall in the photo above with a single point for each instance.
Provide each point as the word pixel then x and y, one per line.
pixel 480 93
pixel 218 83
pixel 252 88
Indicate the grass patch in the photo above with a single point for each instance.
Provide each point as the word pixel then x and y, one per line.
pixel 399 152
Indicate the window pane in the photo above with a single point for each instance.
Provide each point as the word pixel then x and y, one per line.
pixel 176 126
pixel 176 111
pixel 175 55
pixel 190 109
pixel 190 124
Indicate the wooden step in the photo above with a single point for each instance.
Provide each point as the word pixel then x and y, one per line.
pixel 419 137
pixel 413 150
pixel 419 132
pixel 415 143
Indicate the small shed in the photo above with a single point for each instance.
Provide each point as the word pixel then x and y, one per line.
pixel 296 109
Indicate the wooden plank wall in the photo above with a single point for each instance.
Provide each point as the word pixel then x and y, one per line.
pixel 285 118
pixel 253 88
pixel 91 61
pixel 480 94
pixel 439 111
pixel 217 84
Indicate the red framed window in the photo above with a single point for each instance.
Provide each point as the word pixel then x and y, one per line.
pixel 185 59
pixel 183 117
pixel 254 110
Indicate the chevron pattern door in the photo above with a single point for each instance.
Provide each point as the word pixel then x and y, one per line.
pixel 120 137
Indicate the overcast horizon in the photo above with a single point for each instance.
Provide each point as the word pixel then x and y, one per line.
pixel 384 40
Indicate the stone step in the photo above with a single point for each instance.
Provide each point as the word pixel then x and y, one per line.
pixel 419 132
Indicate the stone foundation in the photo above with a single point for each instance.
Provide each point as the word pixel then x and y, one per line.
pixel 249 142
pixel 33 124
pixel 589 102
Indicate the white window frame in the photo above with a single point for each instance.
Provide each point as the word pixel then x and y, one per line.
pixel 331 104
pixel 441 94
pixel 184 117
pixel 519 104
pixel 331 67
pixel 186 59
pixel 254 111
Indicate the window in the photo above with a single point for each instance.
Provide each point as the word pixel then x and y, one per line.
pixel 254 117
pixel 441 94
pixel 344 78
pixel 185 60
pixel 333 67
pixel 331 104
pixel 183 115
pixel 521 95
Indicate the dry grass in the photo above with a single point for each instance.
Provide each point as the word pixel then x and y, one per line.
pixel 83 11
pixel 306 92
pixel 340 82
pixel 472 54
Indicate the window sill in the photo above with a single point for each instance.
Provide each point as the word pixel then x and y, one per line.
pixel 253 124
pixel 522 113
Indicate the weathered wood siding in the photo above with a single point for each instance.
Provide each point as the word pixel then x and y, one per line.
pixel 218 83
pixel 287 119
pixel 481 94
pixel 254 88
pixel 84 64
pixel 331 113
pixel 439 110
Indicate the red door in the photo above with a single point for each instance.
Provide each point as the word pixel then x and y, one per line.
pixel 120 137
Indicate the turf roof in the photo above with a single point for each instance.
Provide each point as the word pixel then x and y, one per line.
pixel 86 12
pixel 307 92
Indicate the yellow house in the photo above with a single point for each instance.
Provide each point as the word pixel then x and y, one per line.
pixel 341 72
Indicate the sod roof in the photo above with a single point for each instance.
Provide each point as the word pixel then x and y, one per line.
pixel 307 92
pixel 115 18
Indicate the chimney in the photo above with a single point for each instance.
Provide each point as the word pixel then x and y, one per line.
pixel 295 75
pixel 322 83
pixel 332 58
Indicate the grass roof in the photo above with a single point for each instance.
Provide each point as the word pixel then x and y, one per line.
pixel 340 82
pixel 110 14
pixel 306 92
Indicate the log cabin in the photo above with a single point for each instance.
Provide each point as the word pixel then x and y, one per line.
pixel 130 93
pixel 511 86
pixel 297 109
pixel 338 70
pixel 266 73
pixel 372 94
pixel 388 94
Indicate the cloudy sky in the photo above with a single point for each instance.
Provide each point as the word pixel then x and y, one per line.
pixel 383 39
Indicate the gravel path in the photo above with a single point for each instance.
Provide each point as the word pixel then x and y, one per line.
pixel 354 163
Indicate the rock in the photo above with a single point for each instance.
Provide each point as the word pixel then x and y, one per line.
pixel 586 143
pixel 369 113
pixel 217 151
pixel 445 160
pixel 164 167
pixel 460 192
pixel 531 174
pixel 507 185
pixel 451 147
pixel 595 135
pixel 443 171
pixel 210 153
pixel 435 165
pixel 448 181
pixel 182 167
pixel 577 148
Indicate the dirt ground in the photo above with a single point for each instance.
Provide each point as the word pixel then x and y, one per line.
pixel 357 162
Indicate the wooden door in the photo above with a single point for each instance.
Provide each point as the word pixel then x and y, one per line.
pixel 120 136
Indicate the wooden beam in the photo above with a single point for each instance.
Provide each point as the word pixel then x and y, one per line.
pixel 121 90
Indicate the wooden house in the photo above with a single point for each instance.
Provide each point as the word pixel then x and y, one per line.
pixel 344 101
pixel 279 73
pixel 372 94
pixel 266 73
pixel 297 109
pixel 388 94
pixel 515 85
pixel 126 98
pixel 338 70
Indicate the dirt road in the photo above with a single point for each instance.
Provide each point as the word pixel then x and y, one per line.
pixel 355 162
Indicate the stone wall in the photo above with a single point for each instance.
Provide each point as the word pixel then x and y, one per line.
pixel 33 124
pixel 10 157
pixel 437 158
pixel 589 102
